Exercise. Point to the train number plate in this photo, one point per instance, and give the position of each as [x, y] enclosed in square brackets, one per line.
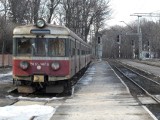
[38, 78]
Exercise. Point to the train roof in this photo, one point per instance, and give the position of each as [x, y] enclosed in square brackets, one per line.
[54, 30]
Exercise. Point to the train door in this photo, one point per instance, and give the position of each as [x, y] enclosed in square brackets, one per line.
[79, 53]
[85, 55]
[73, 57]
[82, 56]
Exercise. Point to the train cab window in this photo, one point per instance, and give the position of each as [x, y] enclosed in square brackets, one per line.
[39, 47]
[24, 46]
[56, 47]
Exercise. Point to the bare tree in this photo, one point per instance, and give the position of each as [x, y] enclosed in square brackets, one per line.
[102, 13]
[81, 14]
[151, 36]
[4, 9]
[6, 27]
[52, 6]
[18, 10]
[25, 11]
[111, 43]
[150, 39]
[35, 5]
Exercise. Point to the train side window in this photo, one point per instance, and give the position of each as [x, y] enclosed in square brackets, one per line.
[67, 47]
[73, 51]
[83, 52]
[78, 52]
[78, 48]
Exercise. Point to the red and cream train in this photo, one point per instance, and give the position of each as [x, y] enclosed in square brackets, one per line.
[47, 56]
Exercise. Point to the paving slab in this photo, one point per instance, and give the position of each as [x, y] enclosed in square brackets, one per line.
[100, 95]
[147, 100]
[4, 102]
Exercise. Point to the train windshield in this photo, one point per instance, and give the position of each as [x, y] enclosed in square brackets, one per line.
[24, 46]
[39, 47]
[56, 47]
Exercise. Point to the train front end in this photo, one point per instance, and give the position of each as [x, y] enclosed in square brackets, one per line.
[39, 59]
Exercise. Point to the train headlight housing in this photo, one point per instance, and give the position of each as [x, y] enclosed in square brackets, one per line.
[55, 66]
[40, 23]
[24, 65]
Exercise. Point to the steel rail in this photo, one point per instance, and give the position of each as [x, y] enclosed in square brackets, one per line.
[140, 74]
[143, 89]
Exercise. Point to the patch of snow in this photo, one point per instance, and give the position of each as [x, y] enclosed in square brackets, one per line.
[6, 78]
[7, 74]
[34, 99]
[39, 112]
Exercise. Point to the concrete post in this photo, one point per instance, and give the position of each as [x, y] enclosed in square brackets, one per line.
[139, 38]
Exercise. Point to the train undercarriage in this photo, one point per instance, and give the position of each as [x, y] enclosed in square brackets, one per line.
[61, 86]
[64, 86]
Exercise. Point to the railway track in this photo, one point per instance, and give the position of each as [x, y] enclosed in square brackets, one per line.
[149, 86]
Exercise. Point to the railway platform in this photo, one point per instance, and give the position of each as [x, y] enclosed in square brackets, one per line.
[101, 95]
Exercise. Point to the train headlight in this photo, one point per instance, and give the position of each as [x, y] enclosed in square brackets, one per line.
[55, 65]
[24, 65]
[40, 23]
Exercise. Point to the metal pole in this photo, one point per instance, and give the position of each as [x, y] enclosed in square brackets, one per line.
[139, 38]
[119, 51]
[149, 52]
[3, 54]
[149, 49]
[134, 52]
[119, 46]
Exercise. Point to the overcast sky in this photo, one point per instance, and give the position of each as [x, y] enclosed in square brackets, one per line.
[122, 9]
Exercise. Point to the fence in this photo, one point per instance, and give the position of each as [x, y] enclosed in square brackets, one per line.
[5, 60]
